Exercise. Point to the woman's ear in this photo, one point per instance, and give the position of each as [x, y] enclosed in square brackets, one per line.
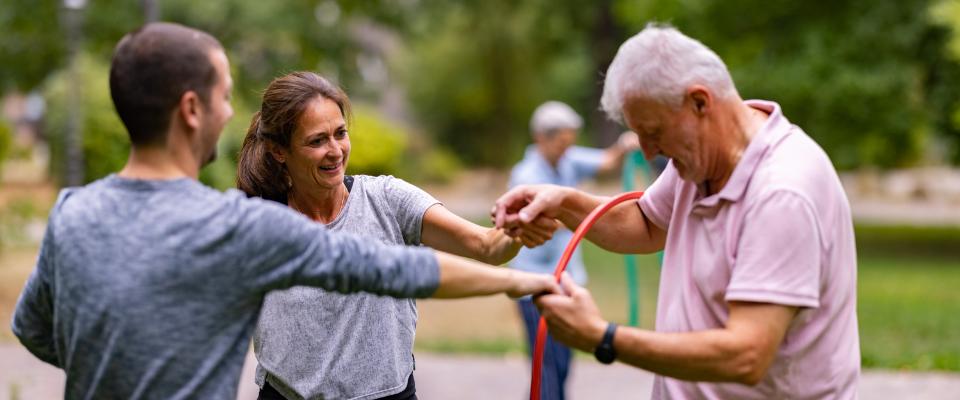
[276, 152]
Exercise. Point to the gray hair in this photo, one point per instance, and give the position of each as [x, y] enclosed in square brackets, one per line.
[552, 116]
[660, 63]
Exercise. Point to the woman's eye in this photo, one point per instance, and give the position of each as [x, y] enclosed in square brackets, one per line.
[341, 134]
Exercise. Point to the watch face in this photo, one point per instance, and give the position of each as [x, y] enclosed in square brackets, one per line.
[604, 354]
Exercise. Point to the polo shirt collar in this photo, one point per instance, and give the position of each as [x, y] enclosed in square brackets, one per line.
[773, 130]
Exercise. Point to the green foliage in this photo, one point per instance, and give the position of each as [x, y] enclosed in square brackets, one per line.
[105, 141]
[947, 13]
[33, 39]
[34, 43]
[434, 165]
[813, 60]
[6, 141]
[476, 95]
[874, 83]
[376, 145]
[879, 104]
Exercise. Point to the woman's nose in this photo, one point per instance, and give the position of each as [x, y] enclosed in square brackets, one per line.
[334, 150]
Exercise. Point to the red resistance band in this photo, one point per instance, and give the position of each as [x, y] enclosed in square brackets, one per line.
[561, 266]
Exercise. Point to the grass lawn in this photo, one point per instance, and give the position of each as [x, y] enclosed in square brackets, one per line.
[909, 312]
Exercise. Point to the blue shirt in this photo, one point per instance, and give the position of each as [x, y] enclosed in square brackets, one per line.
[576, 165]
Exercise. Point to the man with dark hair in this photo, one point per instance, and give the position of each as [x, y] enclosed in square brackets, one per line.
[149, 284]
[152, 67]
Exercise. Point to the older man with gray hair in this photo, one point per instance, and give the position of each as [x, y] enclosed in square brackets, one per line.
[758, 288]
[554, 159]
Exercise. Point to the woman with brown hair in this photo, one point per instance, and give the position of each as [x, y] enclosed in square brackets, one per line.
[312, 343]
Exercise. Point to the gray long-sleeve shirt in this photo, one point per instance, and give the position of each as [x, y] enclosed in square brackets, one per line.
[152, 289]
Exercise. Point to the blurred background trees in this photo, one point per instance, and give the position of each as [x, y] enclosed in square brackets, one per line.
[443, 84]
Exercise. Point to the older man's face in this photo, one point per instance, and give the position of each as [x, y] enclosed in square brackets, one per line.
[668, 131]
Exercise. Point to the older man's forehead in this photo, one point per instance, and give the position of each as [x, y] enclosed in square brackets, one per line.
[642, 113]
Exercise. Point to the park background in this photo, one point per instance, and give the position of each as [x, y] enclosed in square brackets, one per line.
[442, 94]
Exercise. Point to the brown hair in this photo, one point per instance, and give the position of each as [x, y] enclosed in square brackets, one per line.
[152, 68]
[258, 172]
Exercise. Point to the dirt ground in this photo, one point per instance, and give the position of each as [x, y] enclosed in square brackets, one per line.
[471, 377]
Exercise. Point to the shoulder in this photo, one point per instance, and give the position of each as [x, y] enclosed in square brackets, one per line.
[377, 186]
[797, 165]
[387, 188]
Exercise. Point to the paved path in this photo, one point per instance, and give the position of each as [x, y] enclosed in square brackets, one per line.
[471, 377]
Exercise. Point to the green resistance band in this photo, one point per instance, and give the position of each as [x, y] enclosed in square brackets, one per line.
[631, 163]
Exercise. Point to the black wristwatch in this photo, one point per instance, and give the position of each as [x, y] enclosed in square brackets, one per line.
[605, 352]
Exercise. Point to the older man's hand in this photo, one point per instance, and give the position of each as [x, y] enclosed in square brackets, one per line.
[574, 318]
[535, 233]
[524, 204]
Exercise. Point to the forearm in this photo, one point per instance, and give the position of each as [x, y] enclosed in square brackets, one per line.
[716, 355]
[622, 229]
[497, 247]
[445, 231]
[461, 277]
[33, 323]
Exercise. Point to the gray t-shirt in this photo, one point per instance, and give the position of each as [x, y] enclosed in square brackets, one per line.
[152, 289]
[317, 344]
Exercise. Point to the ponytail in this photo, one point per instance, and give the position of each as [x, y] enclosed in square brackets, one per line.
[259, 174]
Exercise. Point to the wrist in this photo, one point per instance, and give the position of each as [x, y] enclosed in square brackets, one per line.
[605, 352]
[597, 329]
[568, 211]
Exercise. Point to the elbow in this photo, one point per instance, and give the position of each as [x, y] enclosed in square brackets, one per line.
[750, 367]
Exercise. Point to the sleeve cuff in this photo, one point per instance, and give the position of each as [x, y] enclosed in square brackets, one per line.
[429, 277]
[772, 297]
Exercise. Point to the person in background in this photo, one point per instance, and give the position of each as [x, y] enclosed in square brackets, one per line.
[554, 159]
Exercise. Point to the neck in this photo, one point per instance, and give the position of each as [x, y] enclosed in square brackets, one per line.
[543, 153]
[736, 134]
[159, 163]
[322, 205]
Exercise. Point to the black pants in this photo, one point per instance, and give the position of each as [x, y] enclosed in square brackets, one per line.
[267, 392]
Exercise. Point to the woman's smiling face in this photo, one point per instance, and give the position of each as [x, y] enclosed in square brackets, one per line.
[320, 147]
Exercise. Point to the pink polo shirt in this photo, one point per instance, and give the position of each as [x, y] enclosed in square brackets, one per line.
[779, 232]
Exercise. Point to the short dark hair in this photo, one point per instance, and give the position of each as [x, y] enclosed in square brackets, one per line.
[152, 68]
[284, 101]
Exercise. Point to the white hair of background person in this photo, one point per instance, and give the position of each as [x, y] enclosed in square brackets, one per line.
[552, 116]
[660, 63]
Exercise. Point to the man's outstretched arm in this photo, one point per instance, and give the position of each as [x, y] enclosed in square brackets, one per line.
[33, 318]
[623, 229]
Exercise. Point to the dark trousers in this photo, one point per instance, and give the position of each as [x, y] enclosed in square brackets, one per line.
[268, 392]
[556, 357]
